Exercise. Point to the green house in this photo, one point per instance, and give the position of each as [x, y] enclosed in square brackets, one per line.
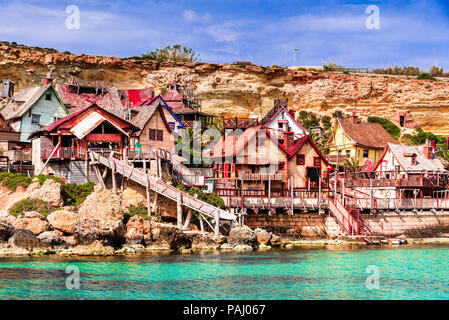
[34, 108]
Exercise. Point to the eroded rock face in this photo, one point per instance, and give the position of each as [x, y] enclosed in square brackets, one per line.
[102, 204]
[23, 238]
[32, 221]
[63, 220]
[88, 230]
[50, 192]
[136, 229]
[52, 238]
[243, 236]
[6, 231]
[169, 237]
[263, 236]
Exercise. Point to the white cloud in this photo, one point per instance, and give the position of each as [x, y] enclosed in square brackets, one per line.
[189, 15]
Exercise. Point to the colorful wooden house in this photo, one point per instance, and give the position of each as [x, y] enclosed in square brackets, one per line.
[359, 140]
[255, 170]
[170, 116]
[185, 105]
[33, 108]
[62, 147]
[402, 177]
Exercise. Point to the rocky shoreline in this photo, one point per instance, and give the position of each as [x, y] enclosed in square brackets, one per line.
[98, 227]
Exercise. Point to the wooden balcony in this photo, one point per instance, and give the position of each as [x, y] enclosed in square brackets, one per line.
[262, 176]
[240, 123]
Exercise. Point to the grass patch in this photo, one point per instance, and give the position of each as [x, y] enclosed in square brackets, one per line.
[392, 129]
[75, 194]
[139, 210]
[26, 205]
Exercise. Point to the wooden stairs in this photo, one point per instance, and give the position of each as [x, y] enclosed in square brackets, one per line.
[157, 185]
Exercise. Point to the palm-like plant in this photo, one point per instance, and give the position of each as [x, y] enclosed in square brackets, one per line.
[172, 53]
[353, 164]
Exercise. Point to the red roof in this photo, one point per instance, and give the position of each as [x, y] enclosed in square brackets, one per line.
[137, 96]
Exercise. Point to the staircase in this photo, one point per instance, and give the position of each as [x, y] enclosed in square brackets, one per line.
[157, 185]
[346, 220]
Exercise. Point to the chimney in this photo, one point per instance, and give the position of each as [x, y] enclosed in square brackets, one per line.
[288, 139]
[49, 78]
[7, 89]
[292, 113]
[354, 119]
[427, 149]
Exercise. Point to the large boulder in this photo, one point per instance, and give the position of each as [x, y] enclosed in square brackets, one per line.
[167, 236]
[52, 238]
[50, 192]
[88, 230]
[7, 218]
[136, 229]
[102, 204]
[63, 220]
[6, 231]
[263, 236]
[32, 221]
[26, 239]
[243, 235]
[96, 248]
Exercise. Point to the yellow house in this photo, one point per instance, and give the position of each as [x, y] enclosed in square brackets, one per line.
[360, 140]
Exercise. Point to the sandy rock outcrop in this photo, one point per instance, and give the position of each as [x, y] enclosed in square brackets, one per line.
[137, 229]
[33, 221]
[102, 204]
[52, 238]
[166, 236]
[50, 192]
[243, 236]
[263, 236]
[63, 220]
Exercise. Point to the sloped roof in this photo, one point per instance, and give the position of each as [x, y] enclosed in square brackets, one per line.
[23, 101]
[298, 145]
[402, 155]
[371, 135]
[53, 126]
[110, 100]
[136, 96]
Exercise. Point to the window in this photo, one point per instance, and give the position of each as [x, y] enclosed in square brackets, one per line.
[282, 165]
[56, 119]
[152, 134]
[316, 161]
[159, 135]
[348, 153]
[365, 153]
[35, 119]
[127, 116]
[414, 160]
[48, 97]
[171, 125]
[300, 160]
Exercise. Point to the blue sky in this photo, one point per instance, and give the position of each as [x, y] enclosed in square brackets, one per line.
[223, 31]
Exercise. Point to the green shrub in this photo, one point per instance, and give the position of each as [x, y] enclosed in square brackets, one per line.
[215, 200]
[139, 210]
[426, 76]
[392, 129]
[75, 194]
[13, 180]
[301, 69]
[26, 205]
[420, 137]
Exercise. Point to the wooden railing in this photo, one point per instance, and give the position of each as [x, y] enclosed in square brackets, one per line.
[240, 123]
[262, 176]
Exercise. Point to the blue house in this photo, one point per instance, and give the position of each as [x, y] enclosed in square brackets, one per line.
[33, 108]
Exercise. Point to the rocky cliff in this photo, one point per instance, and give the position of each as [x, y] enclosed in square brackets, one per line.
[229, 90]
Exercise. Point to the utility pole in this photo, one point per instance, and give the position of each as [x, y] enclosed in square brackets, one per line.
[294, 55]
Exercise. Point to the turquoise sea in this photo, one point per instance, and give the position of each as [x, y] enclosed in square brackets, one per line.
[404, 273]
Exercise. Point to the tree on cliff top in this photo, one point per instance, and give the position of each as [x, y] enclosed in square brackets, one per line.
[172, 53]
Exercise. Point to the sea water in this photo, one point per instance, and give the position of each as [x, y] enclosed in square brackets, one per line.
[382, 273]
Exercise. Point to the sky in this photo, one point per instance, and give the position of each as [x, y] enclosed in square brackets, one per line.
[264, 32]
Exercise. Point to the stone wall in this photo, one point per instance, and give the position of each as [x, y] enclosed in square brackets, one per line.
[313, 225]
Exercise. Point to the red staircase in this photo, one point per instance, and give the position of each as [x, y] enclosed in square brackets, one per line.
[348, 223]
